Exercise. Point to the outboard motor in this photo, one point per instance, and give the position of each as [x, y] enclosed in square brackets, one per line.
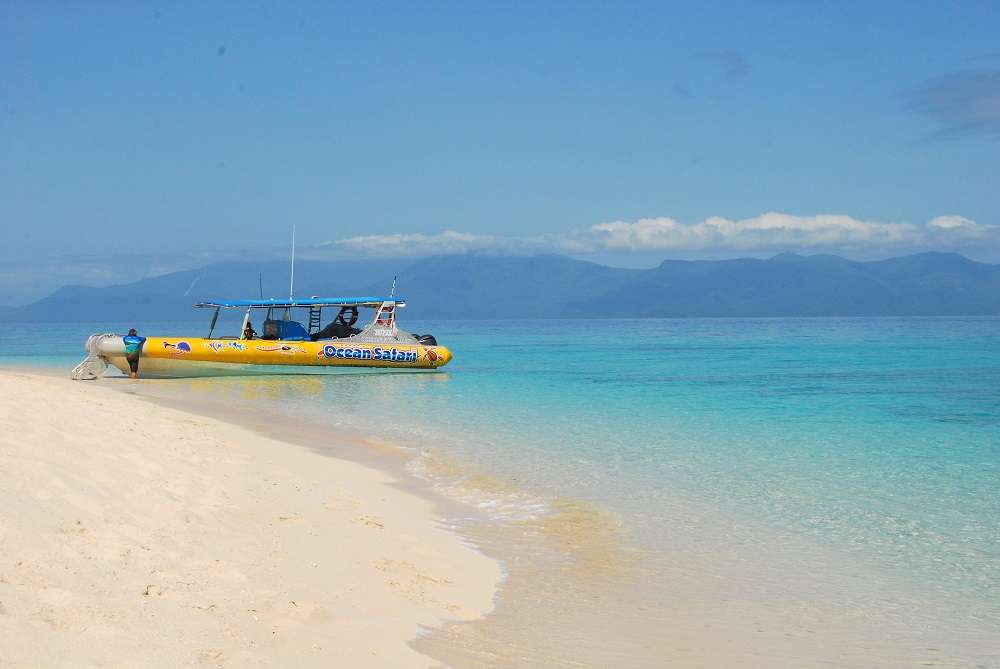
[426, 340]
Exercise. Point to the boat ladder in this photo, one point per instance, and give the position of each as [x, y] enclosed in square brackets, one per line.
[315, 317]
[94, 364]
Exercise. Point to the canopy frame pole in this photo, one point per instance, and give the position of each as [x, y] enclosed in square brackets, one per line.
[291, 279]
[246, 321]
[215, 318]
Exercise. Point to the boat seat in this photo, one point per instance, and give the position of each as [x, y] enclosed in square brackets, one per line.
[334, 330]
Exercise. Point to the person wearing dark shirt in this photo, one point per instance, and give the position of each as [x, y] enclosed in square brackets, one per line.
[133, 349]
[248, 331]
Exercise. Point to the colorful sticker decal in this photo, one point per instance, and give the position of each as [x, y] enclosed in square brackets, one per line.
[219, 346]
[377, 353]
[289, 350]
[180, 348]
[432, 355]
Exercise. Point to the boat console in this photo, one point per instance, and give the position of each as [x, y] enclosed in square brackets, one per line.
[284, 330]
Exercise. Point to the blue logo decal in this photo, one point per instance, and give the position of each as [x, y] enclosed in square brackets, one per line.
[378, 353]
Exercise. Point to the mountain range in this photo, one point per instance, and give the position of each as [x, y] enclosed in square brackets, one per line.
[482, 287]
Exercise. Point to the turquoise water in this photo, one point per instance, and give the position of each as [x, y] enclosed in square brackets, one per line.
[875, 440]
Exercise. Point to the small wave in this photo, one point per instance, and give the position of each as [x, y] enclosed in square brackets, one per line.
[498, 499]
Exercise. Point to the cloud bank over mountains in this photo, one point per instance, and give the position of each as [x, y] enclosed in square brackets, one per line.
[638, 243]
[771, 231]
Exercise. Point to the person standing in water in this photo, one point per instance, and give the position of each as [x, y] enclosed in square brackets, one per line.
[133, 348]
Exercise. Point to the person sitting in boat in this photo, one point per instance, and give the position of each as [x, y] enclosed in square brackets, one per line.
[133, 349]
[248, 331]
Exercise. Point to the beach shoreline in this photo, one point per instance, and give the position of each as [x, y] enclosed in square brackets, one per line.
[571, 589]
[139, 534]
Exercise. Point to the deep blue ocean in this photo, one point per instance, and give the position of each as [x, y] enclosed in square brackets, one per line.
[876, 441]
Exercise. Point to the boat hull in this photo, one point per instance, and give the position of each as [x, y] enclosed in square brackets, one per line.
[163, 357]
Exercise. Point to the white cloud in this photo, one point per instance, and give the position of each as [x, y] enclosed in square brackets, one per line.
[772, 231]
[952, 222]
[416, 244]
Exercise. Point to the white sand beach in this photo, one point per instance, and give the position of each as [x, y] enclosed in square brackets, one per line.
[138, 535]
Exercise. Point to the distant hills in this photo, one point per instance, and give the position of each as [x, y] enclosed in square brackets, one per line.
[482, 287]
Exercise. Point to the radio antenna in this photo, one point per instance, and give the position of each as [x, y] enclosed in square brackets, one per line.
[291, 280]
[260, 284]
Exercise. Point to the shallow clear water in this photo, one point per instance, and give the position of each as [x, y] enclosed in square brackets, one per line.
[876, 441]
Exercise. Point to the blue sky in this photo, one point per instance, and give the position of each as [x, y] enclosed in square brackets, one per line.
[175, 129]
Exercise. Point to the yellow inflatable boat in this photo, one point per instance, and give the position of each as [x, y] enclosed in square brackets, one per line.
[293, 340]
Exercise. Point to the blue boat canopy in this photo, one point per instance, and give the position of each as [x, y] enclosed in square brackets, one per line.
[372, 302]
